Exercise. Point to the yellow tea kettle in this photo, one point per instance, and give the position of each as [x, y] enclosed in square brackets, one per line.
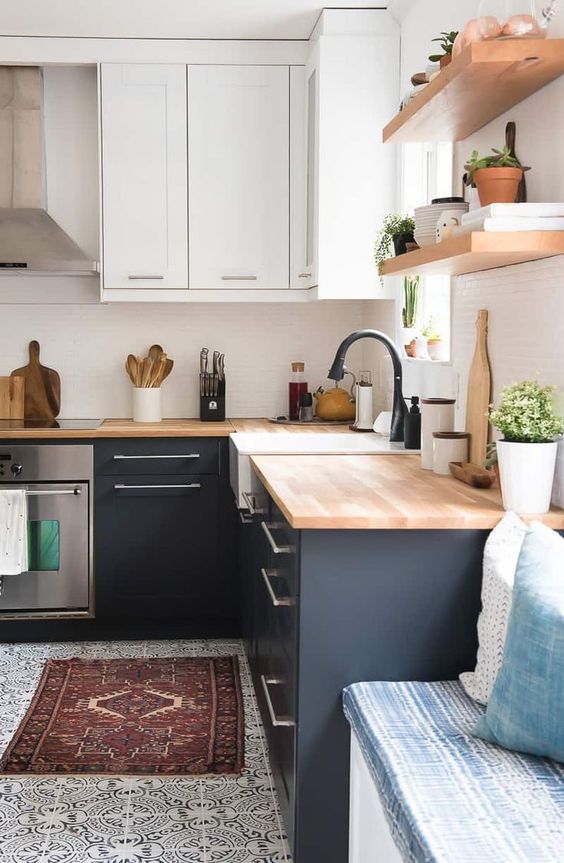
[335, 404]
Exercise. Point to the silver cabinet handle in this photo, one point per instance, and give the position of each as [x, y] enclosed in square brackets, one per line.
[142, 278]
[239, 278]
[276, 721]
[245, 519]
[277, 549]
[278, 601]
[119, 486]
[250, 501]
[304, 276]
[124, 457]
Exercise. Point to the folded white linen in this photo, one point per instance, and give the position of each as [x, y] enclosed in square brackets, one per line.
[13, 531]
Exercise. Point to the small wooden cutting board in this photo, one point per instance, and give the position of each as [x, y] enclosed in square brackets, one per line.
[12, 398]
[42, 398]
[479, 393]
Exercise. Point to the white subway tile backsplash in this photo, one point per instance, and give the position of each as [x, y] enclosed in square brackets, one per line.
[88, 344]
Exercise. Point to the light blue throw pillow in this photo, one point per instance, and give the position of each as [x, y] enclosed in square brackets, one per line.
[526, 709]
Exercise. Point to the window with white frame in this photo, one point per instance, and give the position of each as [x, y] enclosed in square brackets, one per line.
[426, 173]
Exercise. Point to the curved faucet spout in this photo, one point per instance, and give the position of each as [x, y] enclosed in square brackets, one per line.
[337, 373]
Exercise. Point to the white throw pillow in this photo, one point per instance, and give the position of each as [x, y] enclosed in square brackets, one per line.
[501, 554]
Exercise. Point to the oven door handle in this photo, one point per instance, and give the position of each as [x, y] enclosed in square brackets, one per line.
[48, 492]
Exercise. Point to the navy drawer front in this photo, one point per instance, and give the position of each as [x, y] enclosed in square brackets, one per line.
[157, 456]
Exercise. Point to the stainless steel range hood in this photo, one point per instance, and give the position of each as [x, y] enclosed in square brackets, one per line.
[30, 240]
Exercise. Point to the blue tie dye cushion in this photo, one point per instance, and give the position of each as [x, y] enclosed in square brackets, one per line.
[526, 710]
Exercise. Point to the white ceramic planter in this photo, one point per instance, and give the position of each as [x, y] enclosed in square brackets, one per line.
[147, 405]
[527, 474]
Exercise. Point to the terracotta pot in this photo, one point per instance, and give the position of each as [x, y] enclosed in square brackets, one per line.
[498, 185]
[410, 349]
[445, 60]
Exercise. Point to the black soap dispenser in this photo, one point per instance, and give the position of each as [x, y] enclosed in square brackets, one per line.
[412, 425]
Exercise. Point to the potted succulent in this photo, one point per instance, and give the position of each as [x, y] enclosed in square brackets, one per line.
[409, 313]
[434, 340]
[393, 237]
[527, 453]
[496, 177]
[447, 40]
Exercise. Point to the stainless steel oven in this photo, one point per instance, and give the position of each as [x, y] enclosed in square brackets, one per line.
[58, 481]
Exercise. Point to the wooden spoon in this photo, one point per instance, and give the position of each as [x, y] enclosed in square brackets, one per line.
[155, 352]
[157, 371]
[168, 368]
[131, 368]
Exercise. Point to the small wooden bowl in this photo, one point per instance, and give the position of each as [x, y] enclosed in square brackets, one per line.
[472, 474]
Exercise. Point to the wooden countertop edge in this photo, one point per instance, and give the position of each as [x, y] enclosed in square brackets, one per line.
[478, 520]
[112, 428]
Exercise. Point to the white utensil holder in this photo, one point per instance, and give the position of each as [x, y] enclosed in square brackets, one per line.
[147, 407]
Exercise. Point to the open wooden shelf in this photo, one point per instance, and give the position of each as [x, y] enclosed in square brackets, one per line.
[484, 81]
[480, 250]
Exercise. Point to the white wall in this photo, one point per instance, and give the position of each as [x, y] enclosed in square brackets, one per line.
[88, 344]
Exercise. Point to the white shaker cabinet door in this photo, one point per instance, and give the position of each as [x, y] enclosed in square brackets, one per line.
[144, 176]
[238, 143]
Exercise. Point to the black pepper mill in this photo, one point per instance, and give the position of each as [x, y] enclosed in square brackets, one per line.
[412, 425]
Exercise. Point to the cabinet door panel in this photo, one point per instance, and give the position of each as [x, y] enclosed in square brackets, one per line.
[158, 539]
[238, 142]
[144, 176]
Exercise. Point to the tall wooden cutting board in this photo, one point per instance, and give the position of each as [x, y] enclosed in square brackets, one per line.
[42, 387]
[479, 393]
[11, 398]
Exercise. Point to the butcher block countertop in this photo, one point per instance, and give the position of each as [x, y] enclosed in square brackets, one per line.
[371, 492]
[123, 428]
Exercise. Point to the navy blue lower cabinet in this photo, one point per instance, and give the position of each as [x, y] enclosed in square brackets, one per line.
[342, 606]
[165, 540]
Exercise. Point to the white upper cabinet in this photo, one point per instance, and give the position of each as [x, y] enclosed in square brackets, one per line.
[144, 177]
[351, 87]
[239, 176]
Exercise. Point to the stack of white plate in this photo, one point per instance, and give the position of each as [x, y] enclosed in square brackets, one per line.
[426, 219]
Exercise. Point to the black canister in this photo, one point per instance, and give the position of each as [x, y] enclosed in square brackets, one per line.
[412, 426]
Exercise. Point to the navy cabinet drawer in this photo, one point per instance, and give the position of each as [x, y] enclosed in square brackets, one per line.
[157, 456]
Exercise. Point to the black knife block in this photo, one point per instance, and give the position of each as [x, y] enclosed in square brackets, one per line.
[212, 409]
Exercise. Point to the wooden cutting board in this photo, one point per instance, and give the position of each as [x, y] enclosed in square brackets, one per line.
[42, 387]
[479, 393]
[12, 398]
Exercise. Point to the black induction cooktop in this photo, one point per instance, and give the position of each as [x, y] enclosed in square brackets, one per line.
[70, 424]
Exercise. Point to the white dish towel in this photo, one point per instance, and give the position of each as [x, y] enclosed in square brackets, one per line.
[13, 531]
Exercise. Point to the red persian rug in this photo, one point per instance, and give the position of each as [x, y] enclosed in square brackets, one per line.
[180, 716]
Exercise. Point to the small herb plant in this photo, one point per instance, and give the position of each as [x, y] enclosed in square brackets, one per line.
[393, 226]
[499, 159]
[431, 331]
[410, 301]
[447, 43]
[526, 414]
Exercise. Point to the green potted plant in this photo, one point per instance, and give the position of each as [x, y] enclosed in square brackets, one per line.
[409, 312]
[496, 177]
[446, 40]
[434, 340]
[394, 235]
[527, 453]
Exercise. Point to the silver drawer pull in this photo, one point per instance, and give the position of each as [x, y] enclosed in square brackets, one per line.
[250, 501]
[245, 519]
[142, 278]
[304, 276]
[278, 601]
[124, 457]
[276, 721]
[239, 278]
[277, 549]
[120, 486]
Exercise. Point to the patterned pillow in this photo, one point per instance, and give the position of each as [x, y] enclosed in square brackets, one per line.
[500, 561]
[525, 708]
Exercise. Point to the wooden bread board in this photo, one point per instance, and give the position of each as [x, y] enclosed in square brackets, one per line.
[479, 394]
[12, 398]
[42, 387]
